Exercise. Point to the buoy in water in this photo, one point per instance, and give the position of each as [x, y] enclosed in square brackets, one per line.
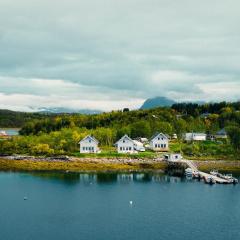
[131, 202]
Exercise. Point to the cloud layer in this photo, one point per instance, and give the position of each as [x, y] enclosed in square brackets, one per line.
[114, 54]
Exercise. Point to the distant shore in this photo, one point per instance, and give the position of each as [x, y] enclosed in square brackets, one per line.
[74, 164]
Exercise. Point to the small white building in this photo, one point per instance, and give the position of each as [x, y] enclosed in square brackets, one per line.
[125, 145]
[195, 137]
[159, 142]
[138, 146]
[173, 157]
[222, 134]
[89, 144]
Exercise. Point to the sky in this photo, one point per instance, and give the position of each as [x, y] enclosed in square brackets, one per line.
[111, 54]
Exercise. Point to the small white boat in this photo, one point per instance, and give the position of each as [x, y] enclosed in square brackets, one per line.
[209, 180]
[188, 172]
[214, 172]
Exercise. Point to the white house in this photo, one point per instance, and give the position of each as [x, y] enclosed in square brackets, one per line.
[89, 144]
[195, 136]
[173, 157]
[159, 142]
[125, 145]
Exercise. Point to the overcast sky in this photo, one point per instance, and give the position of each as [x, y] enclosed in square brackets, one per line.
[110, 54]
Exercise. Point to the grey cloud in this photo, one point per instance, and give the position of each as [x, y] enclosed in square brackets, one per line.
[116, 47]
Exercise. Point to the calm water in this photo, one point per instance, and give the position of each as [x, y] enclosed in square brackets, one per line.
[10, 131]
[82, 206]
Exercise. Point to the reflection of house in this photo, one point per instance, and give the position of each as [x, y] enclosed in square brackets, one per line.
[174, 157]
[89, 144]
[125, 145]
[195, 137]
[159, 142]
[222, 134]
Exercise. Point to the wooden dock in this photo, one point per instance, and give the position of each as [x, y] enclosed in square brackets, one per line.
[204, 175]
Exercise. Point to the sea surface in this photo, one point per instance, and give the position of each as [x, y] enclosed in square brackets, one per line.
[10, 131]
[60, 206]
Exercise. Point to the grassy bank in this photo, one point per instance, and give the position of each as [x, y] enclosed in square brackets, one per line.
[75, 166]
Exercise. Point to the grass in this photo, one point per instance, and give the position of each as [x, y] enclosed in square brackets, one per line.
[111, 153]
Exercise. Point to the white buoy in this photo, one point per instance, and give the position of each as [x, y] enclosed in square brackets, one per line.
[131, 202]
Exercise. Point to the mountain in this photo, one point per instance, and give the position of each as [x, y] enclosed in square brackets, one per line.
[157, 102]
[68, 110]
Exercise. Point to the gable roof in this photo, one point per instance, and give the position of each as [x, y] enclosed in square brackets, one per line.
[158, 134]
[222, 132]
[125, 136]
[91, 137]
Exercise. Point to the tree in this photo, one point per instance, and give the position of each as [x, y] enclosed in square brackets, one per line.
[234, 134]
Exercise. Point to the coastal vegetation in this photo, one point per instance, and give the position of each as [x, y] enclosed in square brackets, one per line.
[59, 134]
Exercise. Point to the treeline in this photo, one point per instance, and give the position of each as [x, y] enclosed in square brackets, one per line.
[134, 123]
[12, 119]
[195, 109]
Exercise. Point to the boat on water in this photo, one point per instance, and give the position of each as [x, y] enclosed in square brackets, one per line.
[209, 180]
[230, 178]
[227, 177]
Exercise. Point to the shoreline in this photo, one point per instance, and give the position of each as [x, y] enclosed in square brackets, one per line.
[74, 164]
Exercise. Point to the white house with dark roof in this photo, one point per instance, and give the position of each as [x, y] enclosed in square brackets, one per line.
[89, 144]
[159, 142]
[125, 145]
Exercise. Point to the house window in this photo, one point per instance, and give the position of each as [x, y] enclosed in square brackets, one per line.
[83, 148]
[156, 145]
[158, 138]
[123, 148]
[130, 148]
[126, 148]
[164, 145]
[161, 145]
[123, 141]
[120, 148]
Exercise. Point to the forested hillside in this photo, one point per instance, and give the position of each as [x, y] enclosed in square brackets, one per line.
[11, 119]
[59, 134]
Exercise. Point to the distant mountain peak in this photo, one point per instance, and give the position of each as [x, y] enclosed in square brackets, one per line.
[157, 102]
[67, 110]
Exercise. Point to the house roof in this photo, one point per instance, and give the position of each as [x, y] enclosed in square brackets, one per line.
[158, 134]
[125, 136]
[91, 137]
[222, 132]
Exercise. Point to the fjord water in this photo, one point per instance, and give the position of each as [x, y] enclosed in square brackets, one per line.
[97, 206]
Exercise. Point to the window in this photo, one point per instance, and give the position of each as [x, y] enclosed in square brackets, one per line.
[164, 145]
[158, 138]
[83, 148]
[156, 145]
[123, 141]
[161, 145]
[123, 148]
[130, 148]
[120, 148]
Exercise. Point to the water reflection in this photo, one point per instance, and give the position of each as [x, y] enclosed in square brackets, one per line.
[108, 177]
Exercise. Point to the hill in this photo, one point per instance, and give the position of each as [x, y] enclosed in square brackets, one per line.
[157, 102]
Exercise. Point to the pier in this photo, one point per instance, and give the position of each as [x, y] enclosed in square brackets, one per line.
[203, 175]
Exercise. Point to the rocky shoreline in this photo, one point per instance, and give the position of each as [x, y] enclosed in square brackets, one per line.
[78, 164]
